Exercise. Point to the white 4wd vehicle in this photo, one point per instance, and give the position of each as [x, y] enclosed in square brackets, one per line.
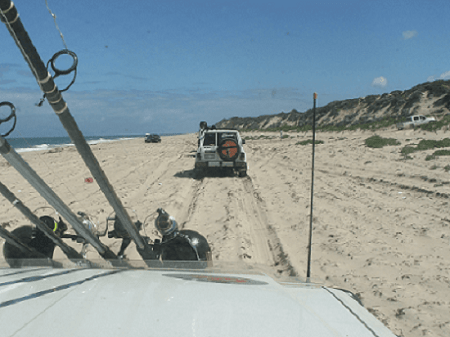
[413, 121]
[220, 149]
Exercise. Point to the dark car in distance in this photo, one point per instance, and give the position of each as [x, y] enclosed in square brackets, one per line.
[152, 138]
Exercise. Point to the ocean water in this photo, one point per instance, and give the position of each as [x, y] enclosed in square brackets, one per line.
[45, 143]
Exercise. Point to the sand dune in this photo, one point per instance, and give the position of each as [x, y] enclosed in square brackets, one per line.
[381, 223]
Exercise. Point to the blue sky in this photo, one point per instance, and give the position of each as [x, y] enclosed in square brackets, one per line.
[163, 66]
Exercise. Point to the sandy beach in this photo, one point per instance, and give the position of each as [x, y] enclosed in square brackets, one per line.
[381, 222]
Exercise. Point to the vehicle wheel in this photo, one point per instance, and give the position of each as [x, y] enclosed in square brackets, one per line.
[228, 149]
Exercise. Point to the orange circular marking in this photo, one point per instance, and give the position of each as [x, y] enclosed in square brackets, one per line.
[229, 149]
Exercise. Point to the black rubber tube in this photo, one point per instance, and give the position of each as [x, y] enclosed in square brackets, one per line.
[69, 251]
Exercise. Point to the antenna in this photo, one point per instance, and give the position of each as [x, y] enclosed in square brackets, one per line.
[308, 270]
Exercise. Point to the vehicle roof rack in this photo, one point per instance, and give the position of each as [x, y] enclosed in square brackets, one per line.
[213, 129]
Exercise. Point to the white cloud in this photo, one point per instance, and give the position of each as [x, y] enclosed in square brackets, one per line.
[445, 76]
[430, 78]
[409, 34]
[380, 82]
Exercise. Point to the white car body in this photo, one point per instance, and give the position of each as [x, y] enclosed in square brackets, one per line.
[210, 154]
[76, 301]
[413, 121]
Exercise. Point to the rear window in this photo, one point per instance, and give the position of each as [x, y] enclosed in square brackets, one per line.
[210, 139]
[228, 135]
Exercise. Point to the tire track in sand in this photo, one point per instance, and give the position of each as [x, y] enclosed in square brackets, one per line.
[264, 234]
[237, 219]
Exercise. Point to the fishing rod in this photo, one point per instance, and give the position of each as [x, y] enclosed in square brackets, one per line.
[308, 269]
[10, 17]
[32, 177]
[47, 193]
[69, 251]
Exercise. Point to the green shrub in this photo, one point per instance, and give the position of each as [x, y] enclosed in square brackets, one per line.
[376, 125]
[407, 150]
[429, 145]
[379, 142]
[438, 153]
[442, 153]
[425, 144]
[309, 141]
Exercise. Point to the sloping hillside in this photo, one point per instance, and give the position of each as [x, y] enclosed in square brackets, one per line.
[431, 98]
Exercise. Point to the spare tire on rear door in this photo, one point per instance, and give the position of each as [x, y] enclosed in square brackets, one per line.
[228, 149]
